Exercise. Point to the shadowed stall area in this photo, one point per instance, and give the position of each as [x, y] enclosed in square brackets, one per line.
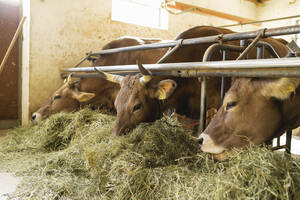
[74, 156]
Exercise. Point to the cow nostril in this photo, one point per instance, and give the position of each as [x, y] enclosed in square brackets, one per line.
[33, 117]
[200, 141]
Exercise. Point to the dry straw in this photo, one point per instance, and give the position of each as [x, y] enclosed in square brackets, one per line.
[74, 156]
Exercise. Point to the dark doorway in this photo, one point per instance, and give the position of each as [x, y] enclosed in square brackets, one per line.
[9, 20]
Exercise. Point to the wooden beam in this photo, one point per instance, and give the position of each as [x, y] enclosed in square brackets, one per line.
[196, 9]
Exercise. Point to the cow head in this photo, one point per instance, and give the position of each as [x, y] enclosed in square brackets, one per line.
[66, 98]
[139, 100]
[251, 113]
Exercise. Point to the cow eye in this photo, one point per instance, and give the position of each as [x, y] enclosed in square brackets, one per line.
[137, 107]
[230, 105]
[57, 97]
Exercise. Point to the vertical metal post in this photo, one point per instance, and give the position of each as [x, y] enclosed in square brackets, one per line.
[203, 100]
[242, 43]
[259, 53]
[222, 81]
[288, 141]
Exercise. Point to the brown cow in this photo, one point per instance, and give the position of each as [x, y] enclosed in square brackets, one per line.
[97, 92]
[254, 111]
[146, 100]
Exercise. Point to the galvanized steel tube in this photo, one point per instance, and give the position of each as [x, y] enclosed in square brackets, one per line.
[232, 65]
[209, 39]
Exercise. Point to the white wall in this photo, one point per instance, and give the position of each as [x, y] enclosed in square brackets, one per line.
[239, 8]
[277, 9]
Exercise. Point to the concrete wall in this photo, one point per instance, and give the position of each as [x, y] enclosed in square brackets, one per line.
[239, 8]
[62, 31]
[277, 9]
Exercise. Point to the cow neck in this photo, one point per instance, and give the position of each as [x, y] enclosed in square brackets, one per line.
[289, 116]
[290, 111]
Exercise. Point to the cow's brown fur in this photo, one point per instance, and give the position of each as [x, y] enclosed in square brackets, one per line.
[105, 91]
[186, 97]
[257, 116]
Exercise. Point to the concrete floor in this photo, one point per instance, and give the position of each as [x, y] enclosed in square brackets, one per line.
[8, 184]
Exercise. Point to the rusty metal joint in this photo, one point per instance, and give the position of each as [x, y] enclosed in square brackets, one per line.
[220, 38]
[261, 33]
[179, 43]
[171, 51]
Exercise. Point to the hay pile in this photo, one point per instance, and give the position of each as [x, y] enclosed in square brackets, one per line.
[74, 156]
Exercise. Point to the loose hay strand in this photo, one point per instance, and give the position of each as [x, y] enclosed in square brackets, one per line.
[74, 156]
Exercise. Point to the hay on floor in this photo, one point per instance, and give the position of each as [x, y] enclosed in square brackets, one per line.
[74, 156]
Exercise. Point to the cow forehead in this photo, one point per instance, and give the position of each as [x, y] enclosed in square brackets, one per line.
[130, 89]
[240, 88]
[131, 86]
[131, 82]
[63, 90]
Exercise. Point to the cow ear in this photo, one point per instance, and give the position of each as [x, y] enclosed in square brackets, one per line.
[279, 88]
[164, 89]
[83, 96]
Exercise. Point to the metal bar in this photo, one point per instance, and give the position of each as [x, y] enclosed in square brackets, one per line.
[288, 142]
[182, 73]
[259, 52]
[260, 65]
[270, 74]
[222, 81]
[278, 141]
[209, 39]
[203, 100]
[278, 147]
[203, 97]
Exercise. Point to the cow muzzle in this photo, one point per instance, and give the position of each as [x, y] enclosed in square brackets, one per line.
[36, 117]
[206, 144]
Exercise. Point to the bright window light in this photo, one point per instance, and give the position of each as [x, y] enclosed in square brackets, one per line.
[15, 2]
[140, 12]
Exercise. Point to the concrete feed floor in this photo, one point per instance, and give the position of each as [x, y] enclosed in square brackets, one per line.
[8, 182]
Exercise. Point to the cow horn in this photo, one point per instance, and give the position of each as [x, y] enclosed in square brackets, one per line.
[69, 80]
[110, 77]
[147, 75]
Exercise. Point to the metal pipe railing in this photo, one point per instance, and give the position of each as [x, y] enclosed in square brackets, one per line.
[285, 66]
[209, 39]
